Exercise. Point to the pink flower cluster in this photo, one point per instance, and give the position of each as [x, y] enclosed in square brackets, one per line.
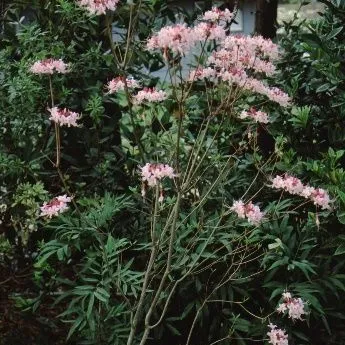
[202, 73]
[178, 38]
[252, 46]
[118, 84]
[256, 115]
[277, 336]
[278, 96]
[99, 7]
[49, 66]
[153, 173]
[290, 184]
[149, 95]
[55, 206]
[295, 306]
[272, 93]
[64, 117]
[217, 15]
[246, 53]
[293, 185]
[204, 31]
[318, 196]
[249, 211]
[234, 75]
[241, 57]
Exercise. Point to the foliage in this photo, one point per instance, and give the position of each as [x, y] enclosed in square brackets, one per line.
[123, 264]
[313, 71]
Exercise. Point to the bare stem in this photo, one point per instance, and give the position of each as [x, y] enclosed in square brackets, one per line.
[166, 272]
[154, 249]
[57, 129]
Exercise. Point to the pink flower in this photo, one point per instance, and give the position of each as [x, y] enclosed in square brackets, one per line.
[205, 31]
[266, 47]
[216, 15]
[318, 196]
[294, 306]
[234, 75]
[238, 58]
[253, 214]
[55, 206]
[261, 66]
[274, 94]
[256, 85]
[256, 115]
[202, 73]
[278, 96]
[254, 45]
[277, 336]
[222, 59]
[64, 117]
[118, 84]
[149, 95]
[178, 38]
[239, 208]
[291, 184]
[49, 66]
[249, 211]
[99, 7]
[153, 173]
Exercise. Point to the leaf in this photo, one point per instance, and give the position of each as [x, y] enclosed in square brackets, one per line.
[341, 216]
[100, 297]
[76, 324]
[323, 88]
[300, 335]
[304, 267]
[173, 329]
[277, 243]
[340, 250]
[102, 294]
[281, 262]
[90, 306]
[341, 196]
[187, 310]
[276, 292]
[334, 32]
[325, 322]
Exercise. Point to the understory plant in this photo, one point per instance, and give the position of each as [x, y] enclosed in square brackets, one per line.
[187, 227]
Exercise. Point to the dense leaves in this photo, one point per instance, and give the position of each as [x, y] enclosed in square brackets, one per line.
[214, 277]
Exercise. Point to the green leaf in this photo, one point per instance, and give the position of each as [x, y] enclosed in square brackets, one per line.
[304, 267]
[173, 329]
[300, 335]
[334, 32]
[76, 324]
[90, 306]
[102, 295]
[276, 292]
[341, 216]
[341, 196]
[340, 250]
[281, 262]
[323, 88]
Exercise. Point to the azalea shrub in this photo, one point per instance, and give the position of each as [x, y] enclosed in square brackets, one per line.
[168, 210]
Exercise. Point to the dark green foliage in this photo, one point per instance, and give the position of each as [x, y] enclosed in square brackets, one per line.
[313, 70]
